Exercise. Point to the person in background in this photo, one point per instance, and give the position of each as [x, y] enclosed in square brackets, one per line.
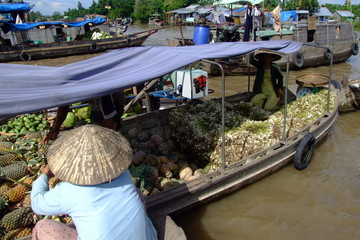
[258, 17]
[105, 111]
[96, 189]
[268, 84]
[248, 23]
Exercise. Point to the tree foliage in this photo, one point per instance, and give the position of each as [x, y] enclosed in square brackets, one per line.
[311, 5]
[141, 10]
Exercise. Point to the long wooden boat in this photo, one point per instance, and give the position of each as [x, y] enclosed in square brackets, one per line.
[61, 49]
[221, 181]
[338, 36]
[224, 181]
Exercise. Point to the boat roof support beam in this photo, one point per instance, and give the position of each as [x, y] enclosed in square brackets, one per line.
[330, 69]
[222, 110]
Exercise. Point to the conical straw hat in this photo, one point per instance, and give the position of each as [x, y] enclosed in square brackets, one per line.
[260, 53]
[89, 155]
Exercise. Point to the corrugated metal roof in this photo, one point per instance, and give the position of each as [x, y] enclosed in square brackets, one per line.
[345, 13]
[302, 11]
[323, 12]
[183, 11]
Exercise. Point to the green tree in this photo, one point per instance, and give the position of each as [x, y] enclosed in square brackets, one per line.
[92, 8]
[311, 5]
[36, 17]
[56, 16]
[174, 4]
[141, 12]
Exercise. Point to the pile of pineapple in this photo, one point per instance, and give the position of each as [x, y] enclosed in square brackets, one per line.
[21, 156]
[248, 129]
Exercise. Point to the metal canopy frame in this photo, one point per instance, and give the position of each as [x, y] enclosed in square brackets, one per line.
[285, 93]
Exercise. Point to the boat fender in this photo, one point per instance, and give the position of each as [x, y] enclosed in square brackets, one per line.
[298, 59]
[25, 56]
[327, 53]
[304, 151]
[94, 47]
[336, 84]
[128, 42]
[354, 49]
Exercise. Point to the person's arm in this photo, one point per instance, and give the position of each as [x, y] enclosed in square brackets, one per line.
[280, 82]
[109, 112]
[44, 201]
[60, 118]
[253, 61]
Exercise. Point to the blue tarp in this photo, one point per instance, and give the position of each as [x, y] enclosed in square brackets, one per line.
[26, 26]
[14, 7]
[240, 9]
[285, 16]
[27, 88]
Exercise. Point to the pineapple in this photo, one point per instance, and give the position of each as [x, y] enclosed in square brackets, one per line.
[21, 217]
[66, 219]
[17, 233]
[8, 158]
[44, 147]
[27, 201]
[3, 203]
[27, 181]
[16, 194]
[54, 181]
[14, 171]
[6, 147]
[5, 187]
[36, 135]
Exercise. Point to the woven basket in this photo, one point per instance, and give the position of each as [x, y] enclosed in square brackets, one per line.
[312, 80]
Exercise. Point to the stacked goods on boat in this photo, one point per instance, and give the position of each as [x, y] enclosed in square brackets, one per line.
[248, 129]
[159, 161]
[26, 123]
[21, 157]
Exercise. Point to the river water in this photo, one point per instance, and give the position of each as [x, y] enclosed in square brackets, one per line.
[320, 202]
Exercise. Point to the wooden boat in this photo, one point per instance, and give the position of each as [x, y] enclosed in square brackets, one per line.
[227, 179]
[233, 177]
[60, 49]
[338, 36]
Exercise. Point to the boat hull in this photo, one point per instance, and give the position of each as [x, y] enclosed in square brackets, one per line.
[62, 49]
[325, 35]
[222, 182]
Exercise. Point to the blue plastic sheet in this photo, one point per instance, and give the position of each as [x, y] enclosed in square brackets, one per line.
[14, 7]
[285, 16]
[28, 88]
[26, 26]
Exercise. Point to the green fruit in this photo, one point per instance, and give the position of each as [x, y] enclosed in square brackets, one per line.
[70, 120]
[84, 112]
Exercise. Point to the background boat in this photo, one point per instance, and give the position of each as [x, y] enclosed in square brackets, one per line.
[67, 48]
[337, 36]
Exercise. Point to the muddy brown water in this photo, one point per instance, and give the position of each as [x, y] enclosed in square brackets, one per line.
[321, 202]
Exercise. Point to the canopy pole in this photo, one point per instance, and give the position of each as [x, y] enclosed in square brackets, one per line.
[222, 110]
[140, 95]
[330, 70]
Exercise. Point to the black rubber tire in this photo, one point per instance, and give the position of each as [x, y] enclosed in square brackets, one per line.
[327, 53]
[298, 59]
[354, 49]
[25, 56]
[336, 84]
[94, 47]
[304, 151]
